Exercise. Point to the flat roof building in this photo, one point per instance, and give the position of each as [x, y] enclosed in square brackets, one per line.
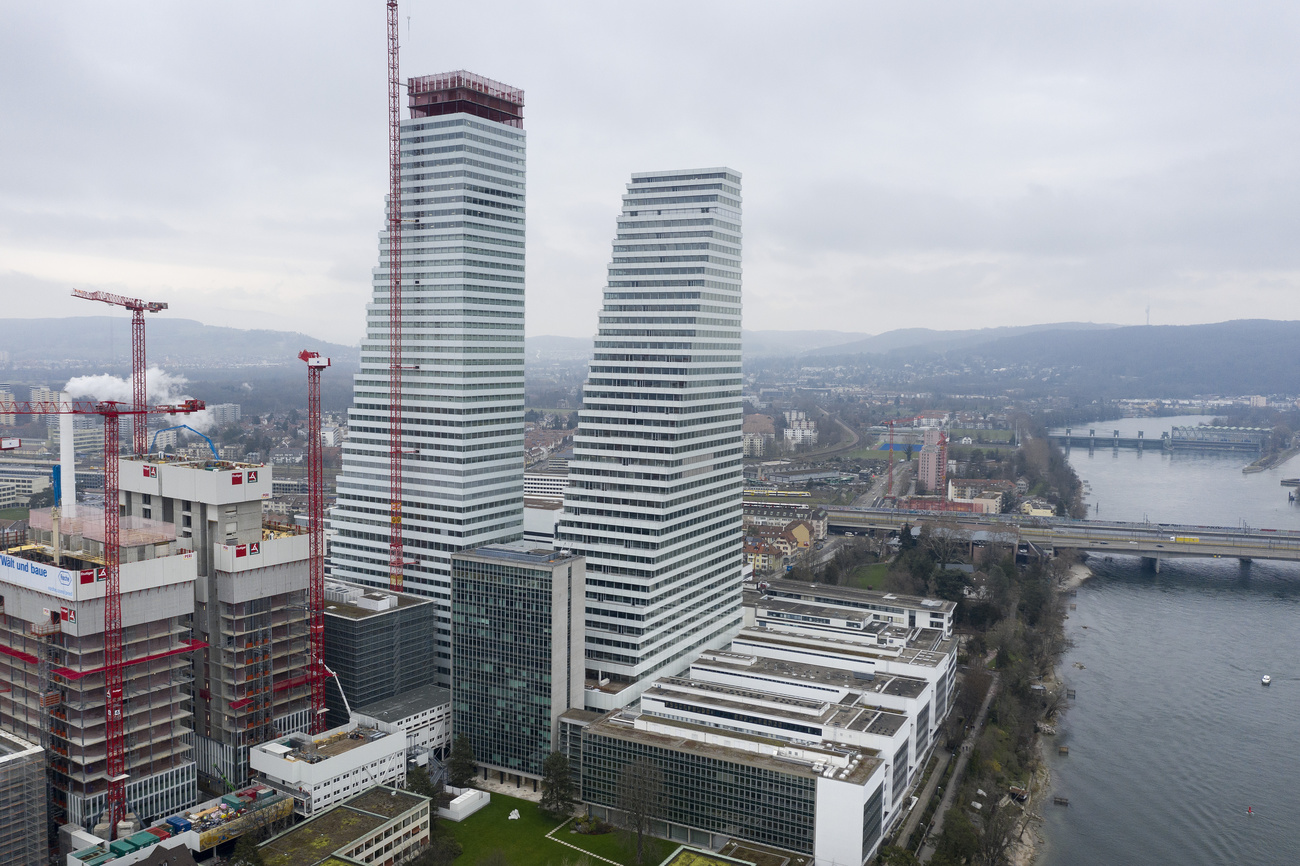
[422, 715]
[319, 771]
[378, 643]
[381, 825]
[823, 800]
[517, 626]
[910, 611]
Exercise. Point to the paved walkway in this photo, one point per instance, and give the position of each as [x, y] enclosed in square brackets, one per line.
[492, 785]
[914, 818]
[936, 826]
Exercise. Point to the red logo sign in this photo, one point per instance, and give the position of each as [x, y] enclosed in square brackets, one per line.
[241, 550]
[252, 476]
[150, 471]
[68, 614]
[255, 548]
[90, 575]
[237, 478]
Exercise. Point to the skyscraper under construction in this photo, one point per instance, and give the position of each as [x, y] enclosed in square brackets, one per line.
[462, 368]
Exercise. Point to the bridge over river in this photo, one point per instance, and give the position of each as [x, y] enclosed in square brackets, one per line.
[1153, 541]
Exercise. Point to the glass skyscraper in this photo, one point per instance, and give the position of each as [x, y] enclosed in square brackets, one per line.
[462, 206]
[517, 626]
[654, 495]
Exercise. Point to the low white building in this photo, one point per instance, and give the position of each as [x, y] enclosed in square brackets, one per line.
[328, 768]
[422, 715]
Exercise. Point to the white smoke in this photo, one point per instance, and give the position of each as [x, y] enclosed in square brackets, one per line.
[160, 387]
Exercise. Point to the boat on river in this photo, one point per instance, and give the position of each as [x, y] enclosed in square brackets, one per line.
[1266, 679]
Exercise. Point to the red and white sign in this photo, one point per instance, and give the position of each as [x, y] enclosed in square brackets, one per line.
[252, 476]
[241, 550]
[150, 471]
[68, 614]
[92, 575]
[255, 548]
[236, 478]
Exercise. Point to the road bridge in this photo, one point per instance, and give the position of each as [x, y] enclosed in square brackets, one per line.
[1153, 541]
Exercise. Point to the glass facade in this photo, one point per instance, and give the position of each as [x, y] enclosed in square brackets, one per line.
[505, 615]
[378, 655]
[707, 792]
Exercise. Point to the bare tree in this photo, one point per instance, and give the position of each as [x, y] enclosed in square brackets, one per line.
[1000, 829]
[946, 540]
[640, 798]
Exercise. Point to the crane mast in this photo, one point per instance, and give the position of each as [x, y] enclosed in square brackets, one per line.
[316, 533]
[395, 551]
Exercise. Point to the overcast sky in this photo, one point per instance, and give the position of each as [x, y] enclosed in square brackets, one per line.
[945, 165]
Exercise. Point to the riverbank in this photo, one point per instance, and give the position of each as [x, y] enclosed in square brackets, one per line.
[1024, 850]
[1075, 577]
[1268, 461]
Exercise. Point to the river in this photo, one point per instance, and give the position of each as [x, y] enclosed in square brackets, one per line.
[1171, 736]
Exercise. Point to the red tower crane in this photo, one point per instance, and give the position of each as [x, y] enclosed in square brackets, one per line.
[115, 766]
[395, 551]
[140, 437]
[316, 532]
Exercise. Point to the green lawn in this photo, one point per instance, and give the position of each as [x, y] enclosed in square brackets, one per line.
[870, 576]
[490, 829]
[13, 513]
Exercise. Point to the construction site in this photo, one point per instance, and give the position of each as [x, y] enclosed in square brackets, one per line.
[147, 647]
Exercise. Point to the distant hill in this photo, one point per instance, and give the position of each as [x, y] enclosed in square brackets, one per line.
[757, 344]
[179, 342]
[942, 341]
[546, 348]
[1244, 356]
[771, 344]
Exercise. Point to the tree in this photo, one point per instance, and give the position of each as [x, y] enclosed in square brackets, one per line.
[959, 841]
[557, 786]
[441, 851]
[418, 781]
[892, 855]
[640, 798]
[946, 540]
[246, 853]
[461, 765]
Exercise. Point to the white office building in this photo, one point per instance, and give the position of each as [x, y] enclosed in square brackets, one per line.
[463, 350]
[654, 495]
[331, 767]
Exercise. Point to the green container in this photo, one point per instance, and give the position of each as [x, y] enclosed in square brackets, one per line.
[143, 839]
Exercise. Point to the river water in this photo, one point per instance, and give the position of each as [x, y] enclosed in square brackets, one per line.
[1171, 735]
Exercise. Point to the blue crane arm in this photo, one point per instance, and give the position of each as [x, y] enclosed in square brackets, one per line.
[154, 441]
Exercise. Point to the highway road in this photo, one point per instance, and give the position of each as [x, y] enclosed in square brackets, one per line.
[1153, 540]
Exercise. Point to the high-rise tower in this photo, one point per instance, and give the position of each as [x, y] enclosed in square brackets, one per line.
[654, 496]
[462, 349]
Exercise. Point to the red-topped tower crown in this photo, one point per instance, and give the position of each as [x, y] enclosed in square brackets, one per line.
[461, 91]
